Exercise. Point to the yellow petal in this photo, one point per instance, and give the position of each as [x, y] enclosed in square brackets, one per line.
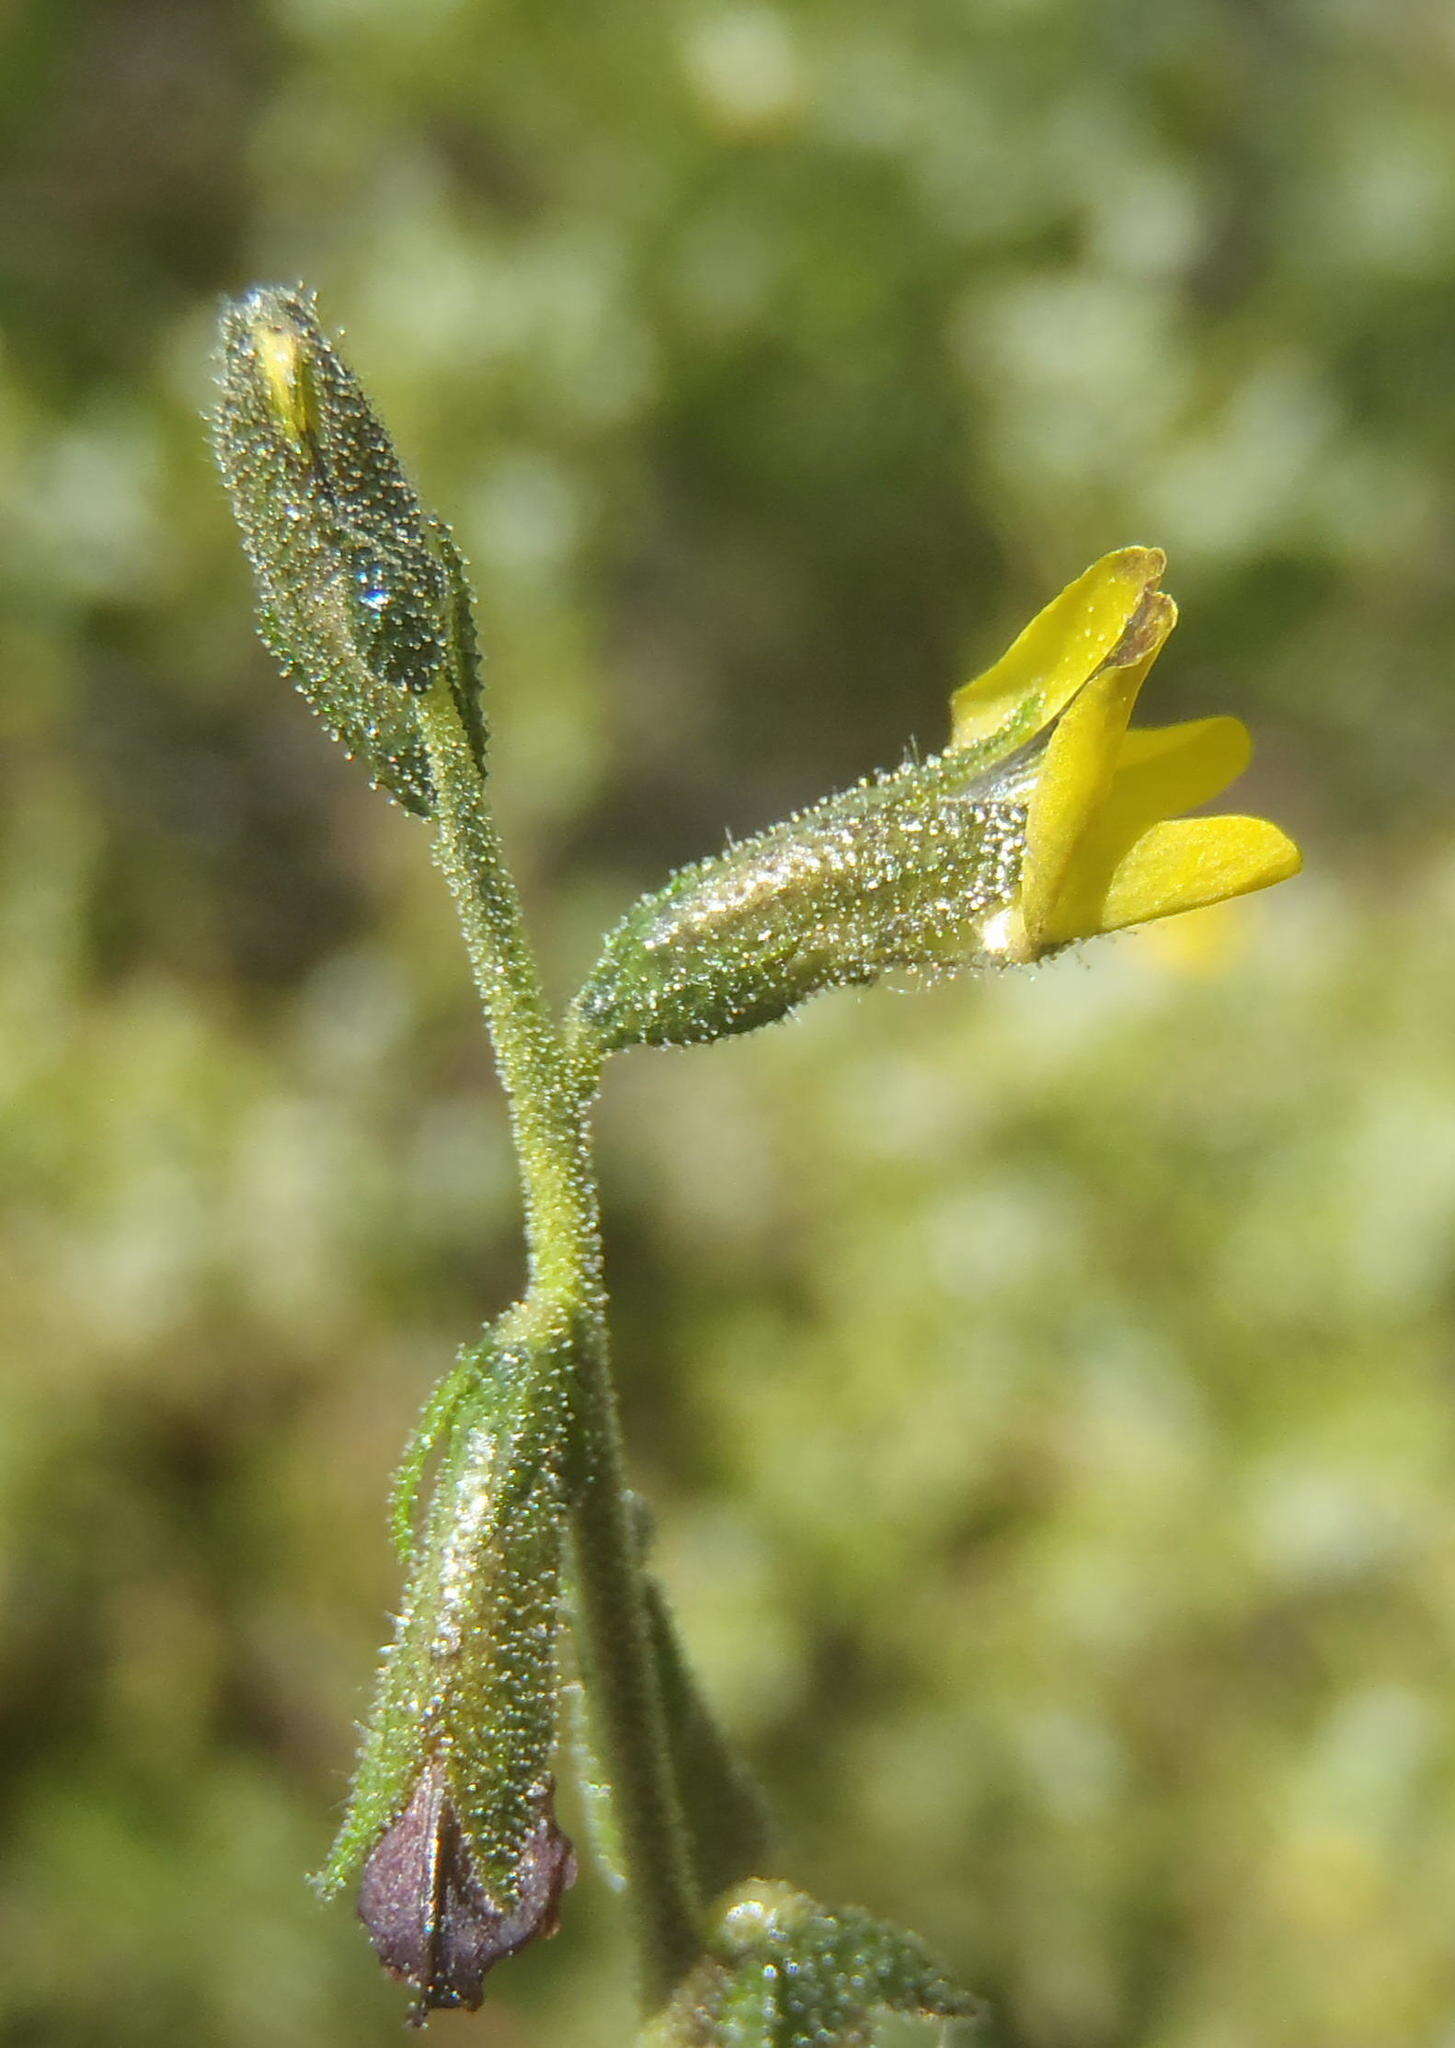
[1161, 771]
[1185, 863]
[1080, 766]
[1168, 769]
[1062, 646]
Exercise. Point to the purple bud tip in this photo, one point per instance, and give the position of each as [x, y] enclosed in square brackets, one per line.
[430, 1919]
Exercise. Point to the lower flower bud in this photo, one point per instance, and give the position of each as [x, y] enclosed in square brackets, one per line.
[450, 1824]
[431, 1920]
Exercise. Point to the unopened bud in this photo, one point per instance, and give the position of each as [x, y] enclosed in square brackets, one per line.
[451, 1816]
[362, 592]
[429, 1916]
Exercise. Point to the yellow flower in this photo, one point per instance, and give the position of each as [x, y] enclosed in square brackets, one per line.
[1105, 846]
[1045, 820]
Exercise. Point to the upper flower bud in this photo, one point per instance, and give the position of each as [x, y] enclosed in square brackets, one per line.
[362, 593]
[1044, 821]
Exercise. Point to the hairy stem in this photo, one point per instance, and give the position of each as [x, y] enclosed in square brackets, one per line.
[547, 1091]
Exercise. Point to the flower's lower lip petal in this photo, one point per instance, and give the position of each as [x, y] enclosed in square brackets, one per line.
[1161, 772]
[1171, 769]
[1187, 863]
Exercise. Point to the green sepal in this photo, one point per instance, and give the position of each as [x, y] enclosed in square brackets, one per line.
[598, 1804]
[464, 640]
[899, 873]
[781, 1971]
[361, 592]
[467, 1380]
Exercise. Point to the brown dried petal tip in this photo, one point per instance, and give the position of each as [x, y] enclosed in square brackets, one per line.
[432, 1923]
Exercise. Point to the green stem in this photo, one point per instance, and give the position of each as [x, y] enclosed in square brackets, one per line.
[548, 1089]
[542, 1091]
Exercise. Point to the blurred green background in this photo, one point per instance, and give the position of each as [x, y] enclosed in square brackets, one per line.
[1045, 1386]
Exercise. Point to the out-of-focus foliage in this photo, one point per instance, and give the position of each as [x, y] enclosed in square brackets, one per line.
[1044, 1387]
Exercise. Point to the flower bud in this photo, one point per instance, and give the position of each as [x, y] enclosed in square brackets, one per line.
[428, 1915]
[901, 872]
[451, 1814]
[361, 591]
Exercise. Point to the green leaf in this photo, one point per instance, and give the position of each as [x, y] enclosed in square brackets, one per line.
[781, 1971]
[726, 1818]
